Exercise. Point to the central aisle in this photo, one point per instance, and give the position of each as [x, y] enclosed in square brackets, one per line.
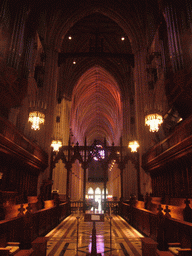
[125, 240]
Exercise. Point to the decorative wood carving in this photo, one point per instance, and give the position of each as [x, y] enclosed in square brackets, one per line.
[13, 143]
[177, 145]
[21, 161]
[169, 163]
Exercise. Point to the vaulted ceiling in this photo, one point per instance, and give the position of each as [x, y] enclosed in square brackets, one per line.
[98, 58]
[95, 40]
[97, 107]
[96, 43]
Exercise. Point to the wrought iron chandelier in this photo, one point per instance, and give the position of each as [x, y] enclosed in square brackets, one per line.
[36, 114]
[56, 144]
[153, 121]
[133, 145]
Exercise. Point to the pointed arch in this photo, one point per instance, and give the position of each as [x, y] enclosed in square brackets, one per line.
[97, 107]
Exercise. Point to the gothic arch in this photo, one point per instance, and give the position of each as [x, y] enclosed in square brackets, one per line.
[133, 29]
[97, 107]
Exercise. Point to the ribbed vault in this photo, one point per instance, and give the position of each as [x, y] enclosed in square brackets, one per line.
[95, 33]
[97, 85]
[96, 107]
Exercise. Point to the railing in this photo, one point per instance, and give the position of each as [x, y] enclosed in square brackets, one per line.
[76, 206]
[176, 142]
[112, 207]
[33, 225]
[14, 141]
[162, 229]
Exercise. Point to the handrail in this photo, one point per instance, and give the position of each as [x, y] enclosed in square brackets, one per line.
[177, 138]
[11, 139]
[160, 228]
[39, 223]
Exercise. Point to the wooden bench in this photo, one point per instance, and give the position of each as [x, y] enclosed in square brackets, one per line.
[179, 237]
[176, 249]
[8, 248]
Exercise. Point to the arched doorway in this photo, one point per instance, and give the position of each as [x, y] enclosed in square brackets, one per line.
[96, 195]
[90, 193]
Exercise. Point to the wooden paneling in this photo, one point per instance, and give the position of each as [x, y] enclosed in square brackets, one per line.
[14, 143]
[20, 161]
[169, 163]
[160, 228]
[40, 223]
[177, 145]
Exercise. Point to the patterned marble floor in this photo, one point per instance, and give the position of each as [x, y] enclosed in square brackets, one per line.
[123, 241]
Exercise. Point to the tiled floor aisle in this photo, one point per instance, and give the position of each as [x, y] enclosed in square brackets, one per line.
[125, 240]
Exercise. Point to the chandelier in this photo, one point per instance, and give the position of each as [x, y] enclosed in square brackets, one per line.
[153, 121]
[56, 144]
[36, 118]
[133, 145]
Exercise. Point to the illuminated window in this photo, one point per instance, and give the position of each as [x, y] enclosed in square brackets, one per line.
[98, 153]
[90, 191]
[98, 191]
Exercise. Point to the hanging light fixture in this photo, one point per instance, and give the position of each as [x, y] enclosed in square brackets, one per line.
[56, 144]
[133, 145]
[36, 114]
[36, 118]
[153, 121]
[153, 116]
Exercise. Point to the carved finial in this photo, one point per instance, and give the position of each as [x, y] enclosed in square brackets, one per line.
[187, 202]
[187, 211]
[21, 211]
[166, 210]
[29, 208]
[160, 210]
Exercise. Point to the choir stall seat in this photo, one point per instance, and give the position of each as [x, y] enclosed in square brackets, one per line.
[183, 248]
[8, 248]
[176, 249]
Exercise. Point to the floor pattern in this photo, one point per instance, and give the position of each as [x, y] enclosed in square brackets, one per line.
[73, 237]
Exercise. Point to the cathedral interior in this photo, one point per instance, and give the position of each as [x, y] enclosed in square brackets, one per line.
[96, 114]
